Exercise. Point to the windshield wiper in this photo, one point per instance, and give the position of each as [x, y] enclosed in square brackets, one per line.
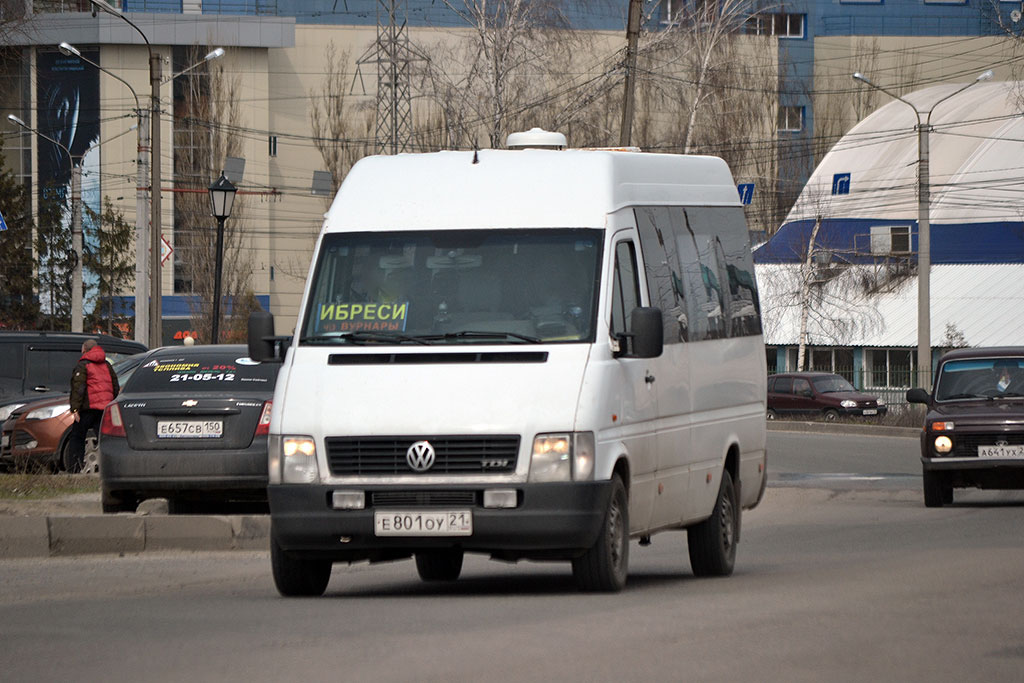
[478, 334]
[362, 337]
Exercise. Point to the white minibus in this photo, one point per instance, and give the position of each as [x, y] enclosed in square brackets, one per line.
[532, 354]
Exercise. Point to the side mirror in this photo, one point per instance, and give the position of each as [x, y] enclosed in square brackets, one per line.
[261, 337]
[918, 395]
[648, 334]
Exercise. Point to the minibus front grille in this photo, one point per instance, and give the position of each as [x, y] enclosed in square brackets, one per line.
[413, 498]
[384, 455]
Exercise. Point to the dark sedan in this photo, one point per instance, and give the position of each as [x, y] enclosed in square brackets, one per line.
[973, 433]
[190, 426]
[820, 394]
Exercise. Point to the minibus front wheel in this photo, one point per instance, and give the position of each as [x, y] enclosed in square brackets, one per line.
[605, 565]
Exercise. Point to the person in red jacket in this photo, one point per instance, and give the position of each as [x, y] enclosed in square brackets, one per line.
[93, 386]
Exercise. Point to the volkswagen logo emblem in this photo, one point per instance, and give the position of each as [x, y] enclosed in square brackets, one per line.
[420, 456]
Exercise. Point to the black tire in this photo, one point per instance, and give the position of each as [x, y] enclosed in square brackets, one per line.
[712, 543]
[65, 455]
[297, 577]
[936, 492]
[439, 565]
[772, 414]
[831, 415]
[605, 565]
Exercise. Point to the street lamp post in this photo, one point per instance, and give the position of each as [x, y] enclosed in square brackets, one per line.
[222, 196]
[76, 223]
[924, 259]
[141, 205]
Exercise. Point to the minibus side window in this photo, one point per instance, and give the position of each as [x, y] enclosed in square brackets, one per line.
[625, 287]
[657, 227]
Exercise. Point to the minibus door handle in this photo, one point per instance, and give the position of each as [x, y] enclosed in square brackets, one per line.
[649, 378]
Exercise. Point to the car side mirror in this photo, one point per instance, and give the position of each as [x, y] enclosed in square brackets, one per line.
[646, 340]
[263, 345]
[918, 395]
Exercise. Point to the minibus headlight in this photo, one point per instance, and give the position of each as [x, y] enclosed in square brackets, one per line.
[562, 457]
[297, 460]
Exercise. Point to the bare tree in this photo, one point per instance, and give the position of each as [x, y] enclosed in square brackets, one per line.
[341, 128]
[490, 82]
[206, 126]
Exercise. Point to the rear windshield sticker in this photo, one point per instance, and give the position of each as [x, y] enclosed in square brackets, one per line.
[389, 317]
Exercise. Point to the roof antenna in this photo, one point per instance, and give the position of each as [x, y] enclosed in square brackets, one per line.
[476, 156]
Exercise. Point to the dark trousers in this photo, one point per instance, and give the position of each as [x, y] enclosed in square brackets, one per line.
[88, 419]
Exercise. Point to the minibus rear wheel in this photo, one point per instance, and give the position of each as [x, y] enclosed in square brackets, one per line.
[439, 565]
[712, 543]
[605, 565]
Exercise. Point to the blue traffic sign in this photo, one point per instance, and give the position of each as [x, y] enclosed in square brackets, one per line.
[841, 183]
[3, 223]
[746, 191]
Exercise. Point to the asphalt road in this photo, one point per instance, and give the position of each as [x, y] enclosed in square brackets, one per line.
[843, 580]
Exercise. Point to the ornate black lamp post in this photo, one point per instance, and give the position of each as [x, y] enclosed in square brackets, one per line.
[222, 196]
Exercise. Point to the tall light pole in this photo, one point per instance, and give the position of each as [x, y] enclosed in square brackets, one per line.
[222, 196]
[155, 234]
[141, 205]
[155, 318]
[76, 223]
[924, 257]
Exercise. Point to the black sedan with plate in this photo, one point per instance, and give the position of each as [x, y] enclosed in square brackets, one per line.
[973, 433]
[190, 426]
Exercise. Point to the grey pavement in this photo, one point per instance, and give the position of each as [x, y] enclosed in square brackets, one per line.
[76, 530]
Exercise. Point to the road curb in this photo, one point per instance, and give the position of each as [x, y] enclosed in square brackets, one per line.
[65, 535]
[841, 428]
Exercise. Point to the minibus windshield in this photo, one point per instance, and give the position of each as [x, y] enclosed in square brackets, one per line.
[515, 286]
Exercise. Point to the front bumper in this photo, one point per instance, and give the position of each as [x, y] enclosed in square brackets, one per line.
[550, 521]
[982, 473]
[859, 412]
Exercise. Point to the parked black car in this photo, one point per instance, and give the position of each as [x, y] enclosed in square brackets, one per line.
[820, 394]
[973, 433]
[37, 365]
[190, 426]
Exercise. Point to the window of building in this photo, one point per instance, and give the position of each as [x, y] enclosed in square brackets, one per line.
[890, 239]
[781, 25]
[791, 119]
[890, 367]
[772, 358]
[272, 145]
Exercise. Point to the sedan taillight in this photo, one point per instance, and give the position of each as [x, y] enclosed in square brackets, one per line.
[263, 426]
[112, 424]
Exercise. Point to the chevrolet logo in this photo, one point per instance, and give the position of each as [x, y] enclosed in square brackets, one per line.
[190, 403]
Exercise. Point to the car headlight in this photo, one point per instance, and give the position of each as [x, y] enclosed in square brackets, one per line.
[881, 402]
[943, 444]
[567, 456]
[48, 412]
[848, 403]
[5, 411]
[292, 459]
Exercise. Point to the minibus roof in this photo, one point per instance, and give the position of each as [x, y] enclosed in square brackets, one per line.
[524, 188]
